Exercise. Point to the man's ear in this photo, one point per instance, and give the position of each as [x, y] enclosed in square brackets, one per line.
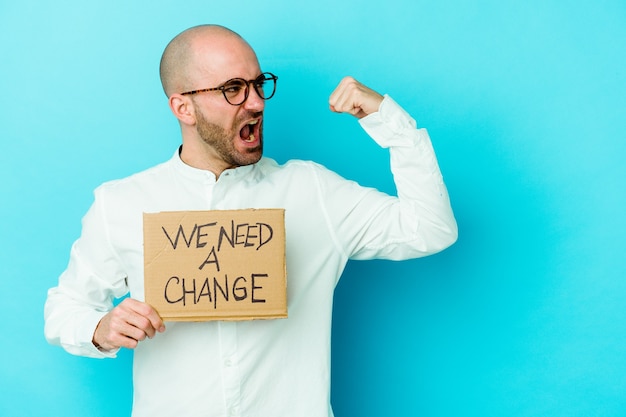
[183, 109]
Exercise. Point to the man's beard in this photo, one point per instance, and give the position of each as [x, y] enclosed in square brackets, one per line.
[223, 142]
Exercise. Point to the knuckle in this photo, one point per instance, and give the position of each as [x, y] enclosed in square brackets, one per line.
[143, 323]
[144, 309]
[115, 327]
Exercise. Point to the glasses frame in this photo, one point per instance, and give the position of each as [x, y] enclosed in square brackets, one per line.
[266, 76]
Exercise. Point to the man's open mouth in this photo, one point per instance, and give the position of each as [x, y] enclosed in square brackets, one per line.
[250, 131]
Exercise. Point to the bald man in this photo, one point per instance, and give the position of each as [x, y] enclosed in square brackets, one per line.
[217, 91]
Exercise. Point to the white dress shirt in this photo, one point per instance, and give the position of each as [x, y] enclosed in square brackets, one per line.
[260, 368]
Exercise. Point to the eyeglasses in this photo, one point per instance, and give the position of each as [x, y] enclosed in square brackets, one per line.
[236, 90]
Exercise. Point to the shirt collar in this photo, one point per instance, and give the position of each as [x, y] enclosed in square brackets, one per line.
[202, 174]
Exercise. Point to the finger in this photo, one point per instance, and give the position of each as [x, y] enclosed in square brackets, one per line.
[123, 320]
[112, 332]
[155, 320]
[338, 97]
[147, 311]
[354, 98]
[135, 326]
[123, 334]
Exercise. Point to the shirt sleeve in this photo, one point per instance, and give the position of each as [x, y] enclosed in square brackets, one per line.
[419, 221]
[86, 289]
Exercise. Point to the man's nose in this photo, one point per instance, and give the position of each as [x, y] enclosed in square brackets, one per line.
[254, 102]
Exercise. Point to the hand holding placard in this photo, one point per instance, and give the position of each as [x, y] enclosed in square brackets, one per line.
[127, 324]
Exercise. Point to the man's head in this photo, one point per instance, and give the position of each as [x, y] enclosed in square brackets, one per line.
[216, 134]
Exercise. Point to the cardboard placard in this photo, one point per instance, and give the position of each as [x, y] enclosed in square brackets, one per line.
[216, 265]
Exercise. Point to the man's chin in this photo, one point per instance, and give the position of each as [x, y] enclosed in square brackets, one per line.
[250, 156]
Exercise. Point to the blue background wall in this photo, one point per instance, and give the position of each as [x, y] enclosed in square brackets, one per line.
[526, 105]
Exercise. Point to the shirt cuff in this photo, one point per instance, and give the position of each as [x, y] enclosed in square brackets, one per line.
[84, 338]
[389, 126]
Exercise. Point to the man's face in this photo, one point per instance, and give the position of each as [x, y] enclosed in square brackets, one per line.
[233, 134]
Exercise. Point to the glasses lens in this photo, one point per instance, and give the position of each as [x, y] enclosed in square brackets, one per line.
[235, 91]
[265, 85]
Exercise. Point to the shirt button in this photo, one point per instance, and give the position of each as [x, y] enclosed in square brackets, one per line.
[228, 363]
